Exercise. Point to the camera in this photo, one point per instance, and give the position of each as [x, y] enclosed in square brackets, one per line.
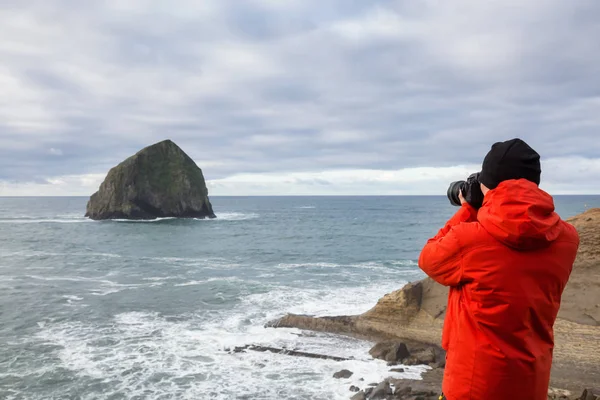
[471, 191]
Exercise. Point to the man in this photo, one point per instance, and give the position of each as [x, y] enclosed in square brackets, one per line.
[507, 265]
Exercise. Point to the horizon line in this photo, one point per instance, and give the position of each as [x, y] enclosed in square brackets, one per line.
[300, 195]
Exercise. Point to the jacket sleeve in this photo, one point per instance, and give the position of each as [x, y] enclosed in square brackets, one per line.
[441, 258]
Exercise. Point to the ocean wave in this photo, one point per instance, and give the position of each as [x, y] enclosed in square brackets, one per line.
[70, 279]
[372, 265]
[309, 265]
[234, 216]
[72, 298]
[42, 221]
[137, 353]
[99, 285]
[159, 278]
[37, 253]
[209, 280]
[211, 262]
[322, 302]
[141, 221]
[224, 216]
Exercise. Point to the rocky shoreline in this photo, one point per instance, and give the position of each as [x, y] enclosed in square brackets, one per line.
[400, 355]
[407, 324]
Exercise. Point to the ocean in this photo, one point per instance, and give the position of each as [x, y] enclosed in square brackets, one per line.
[148, 310]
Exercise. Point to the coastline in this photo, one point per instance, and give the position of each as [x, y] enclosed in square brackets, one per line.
[415, 314]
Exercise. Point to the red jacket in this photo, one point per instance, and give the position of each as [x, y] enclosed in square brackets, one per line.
[507, 265]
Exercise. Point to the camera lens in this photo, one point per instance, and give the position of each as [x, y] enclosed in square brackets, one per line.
[453, 192]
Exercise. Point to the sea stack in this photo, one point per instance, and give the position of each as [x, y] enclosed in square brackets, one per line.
[159, 181]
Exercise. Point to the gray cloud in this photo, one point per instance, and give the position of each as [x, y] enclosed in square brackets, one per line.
[262, 85]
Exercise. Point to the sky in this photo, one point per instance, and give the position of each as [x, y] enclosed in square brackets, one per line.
[298, 97]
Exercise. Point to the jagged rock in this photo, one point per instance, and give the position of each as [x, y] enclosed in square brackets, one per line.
[580, 300]
[390, 351]
[359, 396]
[590, 394]
[288, 352]
[397, 370]
[343, 374]
[415, 312]
[558, 394]
[423, 357]
[381, 391]
[402, 391]
[354, 389]
[159, 181]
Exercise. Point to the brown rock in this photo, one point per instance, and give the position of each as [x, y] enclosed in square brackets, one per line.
[381, 391]
[590, 394]
[402, 391]
[390, 351]
[415, 312]
[343, 374]
[577, 303]
[158, 181]
[422, 357]
[558, 394]
[359, 396]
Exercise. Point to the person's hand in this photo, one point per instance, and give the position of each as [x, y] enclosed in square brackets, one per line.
[461, 198]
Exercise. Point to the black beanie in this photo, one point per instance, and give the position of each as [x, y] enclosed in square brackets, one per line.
[513, 159]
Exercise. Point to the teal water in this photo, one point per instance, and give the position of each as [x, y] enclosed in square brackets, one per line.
[147, 310]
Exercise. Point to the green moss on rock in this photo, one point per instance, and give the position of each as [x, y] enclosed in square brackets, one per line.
[159, 181]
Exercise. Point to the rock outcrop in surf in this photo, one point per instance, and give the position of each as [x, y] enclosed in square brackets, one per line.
[159, 181]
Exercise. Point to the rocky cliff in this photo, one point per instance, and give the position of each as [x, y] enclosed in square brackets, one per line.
[159, 181]
[416, 312]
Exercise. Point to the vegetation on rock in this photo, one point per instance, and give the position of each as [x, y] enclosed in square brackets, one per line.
[159, 181]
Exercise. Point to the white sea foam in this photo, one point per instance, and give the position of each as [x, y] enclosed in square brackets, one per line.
[109, 287]
[216, 263]
[70, 279]
[191, 358]
[234, 216]
[35, 253]
[73, 219]
[139, 220]
[100, 285]
[203, 281]
[148, 355]
[321, 302]
[43, 221]
[307, 207]
[159, 278]
[308, 265]
[72, 298]
[370, 265]
[221, 216]
[405, 263]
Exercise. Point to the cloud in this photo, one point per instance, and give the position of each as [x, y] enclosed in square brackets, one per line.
[298, 87]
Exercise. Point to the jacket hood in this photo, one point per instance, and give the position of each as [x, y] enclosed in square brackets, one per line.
[520, 215]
